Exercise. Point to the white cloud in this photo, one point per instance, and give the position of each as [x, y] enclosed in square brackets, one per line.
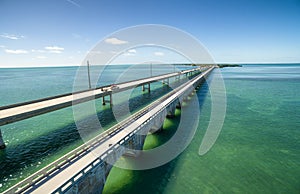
[41, 57]
[2, 46]
[54, 49]
[159, 53]
[130, 52]
[11, 36]
[18, 51]
[38, 51]
[115, 41]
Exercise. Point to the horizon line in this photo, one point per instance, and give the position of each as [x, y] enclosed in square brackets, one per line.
[217, 63]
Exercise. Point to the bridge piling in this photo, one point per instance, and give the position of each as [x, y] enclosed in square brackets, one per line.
[171, 110]
[144, 88]
[2, 144]
[178, 105]
[171, 113]
[158, 122]
[92, 172]
[110, 100]
[103, 100]
[166, 81]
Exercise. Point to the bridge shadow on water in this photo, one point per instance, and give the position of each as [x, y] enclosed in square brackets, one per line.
[18, 162]
[153, 180]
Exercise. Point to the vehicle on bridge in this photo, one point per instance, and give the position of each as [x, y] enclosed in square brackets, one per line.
[104, 89]
[114, 87]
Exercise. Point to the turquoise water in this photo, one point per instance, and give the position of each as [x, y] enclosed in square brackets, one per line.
[36, 142]
[258, 150]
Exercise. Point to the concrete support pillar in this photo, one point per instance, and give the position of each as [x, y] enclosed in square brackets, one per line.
[171, 113]
[178, 105]
[2, 144]
[171, 110]
[166, 81]
[157, 123]
[134, 145]
[103, 100]
[110, 100]
[75, 189]
[144, 88]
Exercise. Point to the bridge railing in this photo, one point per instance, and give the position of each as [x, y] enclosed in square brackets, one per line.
[76, 154]
[72, 93]
[101, 159]
[36, 178]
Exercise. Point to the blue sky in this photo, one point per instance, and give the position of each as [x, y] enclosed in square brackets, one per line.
[61, 32]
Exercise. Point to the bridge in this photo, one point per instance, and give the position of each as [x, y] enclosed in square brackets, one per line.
[81, 170]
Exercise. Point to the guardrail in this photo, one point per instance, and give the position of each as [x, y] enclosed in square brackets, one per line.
[77, 92]
[63, 162]
[100, 160]
[17, 116]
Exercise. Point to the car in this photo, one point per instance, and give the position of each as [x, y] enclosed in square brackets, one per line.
[114, 87]
[104, 89]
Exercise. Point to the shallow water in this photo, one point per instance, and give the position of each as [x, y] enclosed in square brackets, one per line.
[36, 142]
[258, 150]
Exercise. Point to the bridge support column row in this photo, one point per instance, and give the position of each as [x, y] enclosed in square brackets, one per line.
[144, 88]
[110, 100]
[94, 181]
[2, 144]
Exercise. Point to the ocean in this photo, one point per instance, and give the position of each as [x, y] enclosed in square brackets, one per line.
[257, 151]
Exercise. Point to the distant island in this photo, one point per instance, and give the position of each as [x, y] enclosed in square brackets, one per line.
[219, 65]
[229, 65]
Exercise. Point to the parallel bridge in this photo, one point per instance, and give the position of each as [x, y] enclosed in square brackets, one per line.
[85, 169]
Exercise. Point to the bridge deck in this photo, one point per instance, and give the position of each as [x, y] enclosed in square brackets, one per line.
[17, 112]
[64, 175]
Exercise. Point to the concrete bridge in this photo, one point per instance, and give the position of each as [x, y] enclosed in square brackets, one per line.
[21, 111]
[83, 171]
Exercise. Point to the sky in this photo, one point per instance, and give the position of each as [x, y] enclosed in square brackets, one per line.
[62, 32]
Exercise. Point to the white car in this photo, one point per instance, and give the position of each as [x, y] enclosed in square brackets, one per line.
[114, 87]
